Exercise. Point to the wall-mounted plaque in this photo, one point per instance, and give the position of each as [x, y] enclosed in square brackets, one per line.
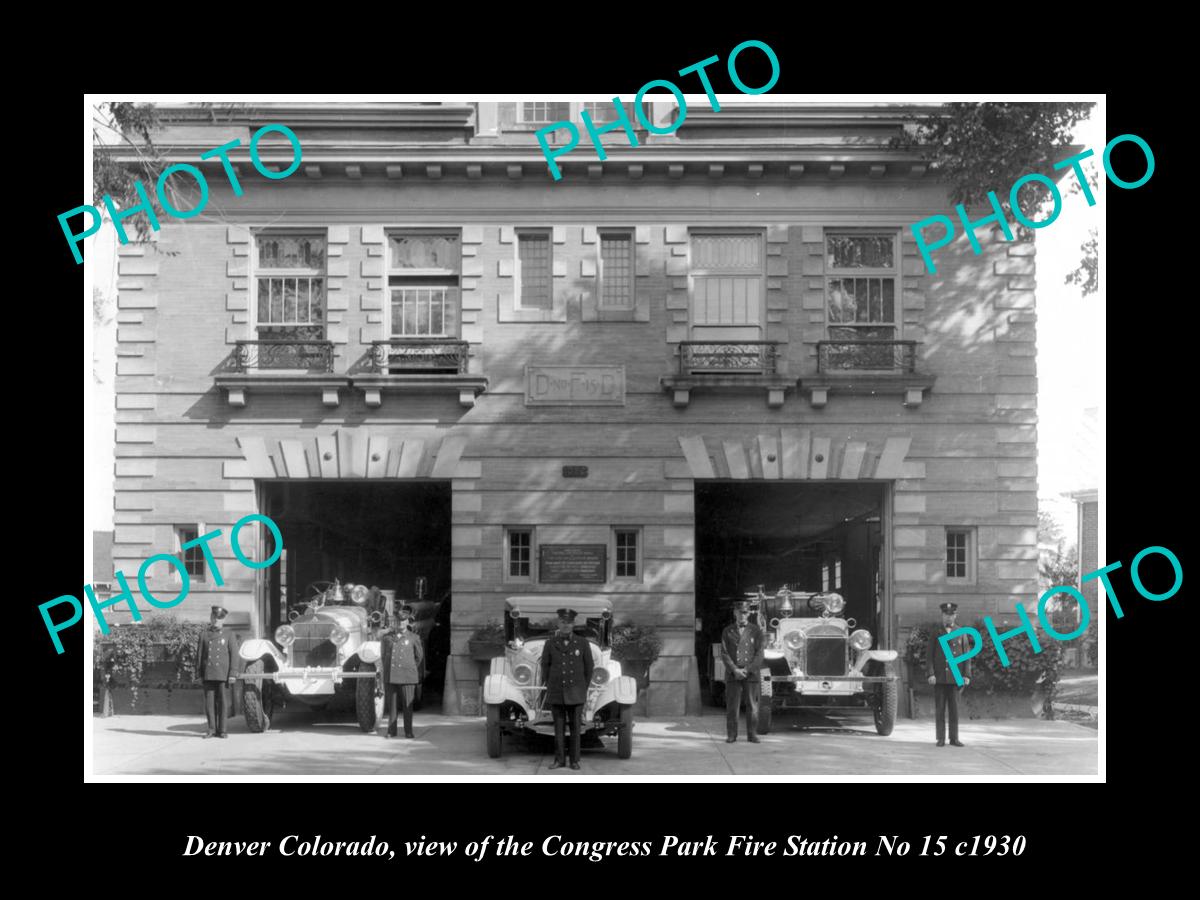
[572, 563]
[574, 385]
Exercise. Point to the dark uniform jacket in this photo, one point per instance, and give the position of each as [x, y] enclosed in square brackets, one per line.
[566, 670]
[215, 660]
[402, 655]
[938, 664]
[745, 652]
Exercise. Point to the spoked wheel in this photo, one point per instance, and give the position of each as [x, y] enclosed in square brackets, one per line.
[887, 701]
[364, 699]
[494, 737]
[625, 736]
[257, 701]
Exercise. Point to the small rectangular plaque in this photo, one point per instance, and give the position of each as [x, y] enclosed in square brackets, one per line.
[574, 385]
[573, 563]
[575, 471]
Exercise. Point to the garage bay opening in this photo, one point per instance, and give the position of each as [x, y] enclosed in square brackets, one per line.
[391, 536]
[810, 539]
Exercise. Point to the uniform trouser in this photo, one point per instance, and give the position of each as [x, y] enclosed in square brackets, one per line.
[561, 715]
[945, 697]
[735, 689]
[214, 706]
[406, 693]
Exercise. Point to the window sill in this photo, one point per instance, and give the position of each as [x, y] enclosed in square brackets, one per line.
[282, 381]
[681, 386]
[468, 387]
[910, 385]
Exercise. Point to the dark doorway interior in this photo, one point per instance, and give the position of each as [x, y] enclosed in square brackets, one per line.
[810, 537]
[365, 532]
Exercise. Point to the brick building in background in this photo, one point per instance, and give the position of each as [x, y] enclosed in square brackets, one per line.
[709, 362]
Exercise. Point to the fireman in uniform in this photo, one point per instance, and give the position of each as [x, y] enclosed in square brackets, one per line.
[566, 668]
[401, 656]
[945, 689]
[742, 654]
[217, 667]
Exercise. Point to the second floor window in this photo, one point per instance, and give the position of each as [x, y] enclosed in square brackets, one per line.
[423, 283]
[534, 270]
[616, 269]
[727, 284]
[862, 276]
[290, 286]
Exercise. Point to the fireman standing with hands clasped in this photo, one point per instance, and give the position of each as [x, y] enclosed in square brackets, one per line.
[217, 667]
[401, 655]
[945, 689]
[742, 654]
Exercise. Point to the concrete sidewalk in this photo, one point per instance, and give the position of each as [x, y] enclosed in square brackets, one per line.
[301, 744]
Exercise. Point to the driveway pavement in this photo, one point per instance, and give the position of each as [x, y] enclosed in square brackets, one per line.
[299, 743]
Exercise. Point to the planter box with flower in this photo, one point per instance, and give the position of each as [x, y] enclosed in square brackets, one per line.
[486, 642]
[1024, 688]
[148, 668]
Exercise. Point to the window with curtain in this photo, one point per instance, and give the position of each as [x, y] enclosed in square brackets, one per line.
[423, 284]
[290, 287]
[727, 279]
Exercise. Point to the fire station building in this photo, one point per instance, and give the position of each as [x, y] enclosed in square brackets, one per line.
[706, 363]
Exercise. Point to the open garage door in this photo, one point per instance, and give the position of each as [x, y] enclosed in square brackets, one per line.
[808, 537]
[394, 536]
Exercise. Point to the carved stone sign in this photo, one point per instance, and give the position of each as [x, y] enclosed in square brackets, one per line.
[572, 563]
[574, 385]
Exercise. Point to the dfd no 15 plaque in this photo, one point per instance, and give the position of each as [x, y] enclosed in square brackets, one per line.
[574, 385]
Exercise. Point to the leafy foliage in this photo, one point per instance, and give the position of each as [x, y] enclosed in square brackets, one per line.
[982, 147]
[132, 124]
[633, 641]
[1026, 671]
[121, 656]
[1049, 529]
[1057, 564]
[102, 315]
[1059, 568]
[914, 650]
[489, 633]
[1085, 275]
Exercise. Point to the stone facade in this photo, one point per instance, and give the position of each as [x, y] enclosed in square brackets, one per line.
[953, 447]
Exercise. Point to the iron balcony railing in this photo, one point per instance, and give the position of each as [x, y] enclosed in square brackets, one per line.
[311, 355]
[889, 356]
[419, 356]
[732, 357]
